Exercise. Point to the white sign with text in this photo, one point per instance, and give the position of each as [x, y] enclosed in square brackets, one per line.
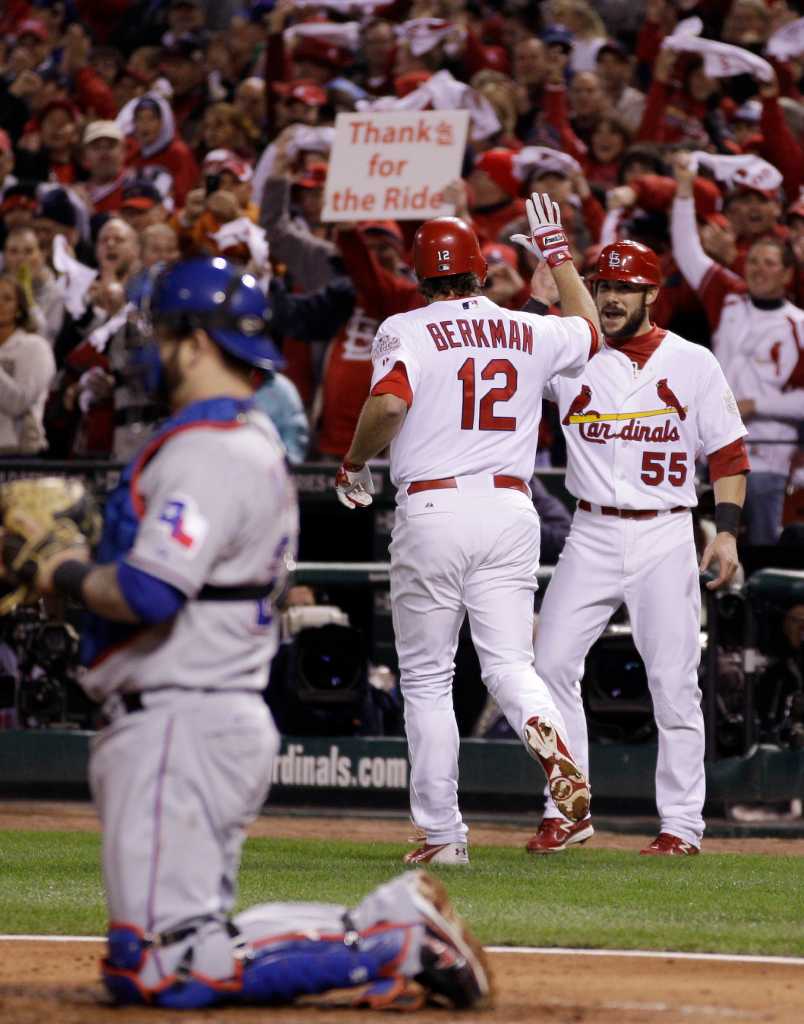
[394, 165]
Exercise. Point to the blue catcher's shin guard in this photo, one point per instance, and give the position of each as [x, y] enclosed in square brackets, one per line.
[281, 971]
[119, 970]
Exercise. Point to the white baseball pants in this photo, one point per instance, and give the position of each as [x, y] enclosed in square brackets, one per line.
[471, 550]
[651, 566]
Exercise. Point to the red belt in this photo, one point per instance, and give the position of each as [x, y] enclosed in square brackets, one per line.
[449, 482]
[629, 513]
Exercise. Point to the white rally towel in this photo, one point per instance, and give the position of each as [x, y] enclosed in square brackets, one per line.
[74, 277]
[787, 42]
[99, 338]
[443, 92]
[543, 158]
[311, 139]
[362, 7]
[244, 231]
[423, 34]
[734, 171]
[344, 35]
[721, 60]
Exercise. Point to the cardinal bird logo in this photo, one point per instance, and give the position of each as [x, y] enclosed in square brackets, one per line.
[578, 404]
[666, 395]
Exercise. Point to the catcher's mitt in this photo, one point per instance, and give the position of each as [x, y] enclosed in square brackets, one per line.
[41, 517]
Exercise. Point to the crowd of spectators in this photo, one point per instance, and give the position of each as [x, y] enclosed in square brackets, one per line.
[134, 131]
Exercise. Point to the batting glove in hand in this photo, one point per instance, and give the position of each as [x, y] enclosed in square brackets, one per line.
[548, 240]
[354, 486]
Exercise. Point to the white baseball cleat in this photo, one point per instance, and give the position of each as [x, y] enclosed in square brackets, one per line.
[443, 853]
[568, 785]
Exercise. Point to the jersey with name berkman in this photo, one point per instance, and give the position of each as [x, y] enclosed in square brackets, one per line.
[476, 373]
[633, 435]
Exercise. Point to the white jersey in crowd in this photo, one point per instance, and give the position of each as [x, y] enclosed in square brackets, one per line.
[220, 508]
[476, 372]
[636, 434]
[761, 350]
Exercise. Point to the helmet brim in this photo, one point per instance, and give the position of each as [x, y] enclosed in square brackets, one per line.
[259, 352]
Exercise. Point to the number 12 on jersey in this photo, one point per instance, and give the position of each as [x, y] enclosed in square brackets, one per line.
[487, 420]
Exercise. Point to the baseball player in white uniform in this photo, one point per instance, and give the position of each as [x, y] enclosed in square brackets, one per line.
[196, 544]
[456, 392]
[635, 421]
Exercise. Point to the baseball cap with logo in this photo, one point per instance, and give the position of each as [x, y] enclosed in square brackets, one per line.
[102, 130]
[141, 195]
[314, 176]
[305, 92]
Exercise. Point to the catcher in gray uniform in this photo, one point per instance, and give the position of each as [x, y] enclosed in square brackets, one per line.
[197, 541]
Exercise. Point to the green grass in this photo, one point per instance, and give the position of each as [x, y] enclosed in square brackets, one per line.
[732, 903]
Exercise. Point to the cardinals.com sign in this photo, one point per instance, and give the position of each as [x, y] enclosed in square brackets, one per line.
[394, 165]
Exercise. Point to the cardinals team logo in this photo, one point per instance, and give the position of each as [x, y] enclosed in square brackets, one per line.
[596, 426]
[614, 259]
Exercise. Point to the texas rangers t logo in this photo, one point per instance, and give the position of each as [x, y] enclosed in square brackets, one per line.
[185, 524]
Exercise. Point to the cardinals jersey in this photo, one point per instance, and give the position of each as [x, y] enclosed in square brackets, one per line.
[760, 349]
[633, 435]
[476, 373]
[762, 355]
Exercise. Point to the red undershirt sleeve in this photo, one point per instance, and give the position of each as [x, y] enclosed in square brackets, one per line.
[395, 383]
[729, 460]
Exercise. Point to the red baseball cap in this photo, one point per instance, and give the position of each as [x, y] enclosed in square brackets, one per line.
[410, 81]
[64, 105]
[305, 92]
[318, 51]
[498, 252]
[241, 169]
[499, 165]
[33, 27]
[314, 176]
[385, 227]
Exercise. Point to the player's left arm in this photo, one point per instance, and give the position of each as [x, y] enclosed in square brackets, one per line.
[116, 591]
[729, 499]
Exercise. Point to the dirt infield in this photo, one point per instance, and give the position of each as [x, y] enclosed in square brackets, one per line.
[41, 981]
[80, 817]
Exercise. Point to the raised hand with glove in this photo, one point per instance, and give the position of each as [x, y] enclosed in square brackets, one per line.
[548, 239]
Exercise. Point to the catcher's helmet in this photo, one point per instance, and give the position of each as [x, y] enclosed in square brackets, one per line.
[628, 261]
[447, 245]
[213, 295]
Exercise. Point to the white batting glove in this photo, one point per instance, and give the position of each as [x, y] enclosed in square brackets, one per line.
[354, 486]
[548, 240]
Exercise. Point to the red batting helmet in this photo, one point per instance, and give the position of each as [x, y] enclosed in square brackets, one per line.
[628, 261]
[447, 245]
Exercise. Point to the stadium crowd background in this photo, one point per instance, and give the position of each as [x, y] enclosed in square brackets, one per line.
[135, 131]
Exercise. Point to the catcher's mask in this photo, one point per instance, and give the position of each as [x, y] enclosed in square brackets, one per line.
[213, 295]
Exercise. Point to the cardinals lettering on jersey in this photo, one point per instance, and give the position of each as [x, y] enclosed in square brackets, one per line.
[596, 427]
